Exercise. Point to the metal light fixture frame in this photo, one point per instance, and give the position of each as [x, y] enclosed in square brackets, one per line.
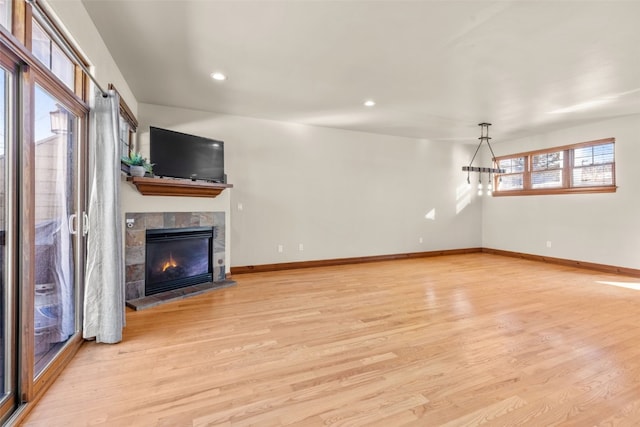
[484, 137]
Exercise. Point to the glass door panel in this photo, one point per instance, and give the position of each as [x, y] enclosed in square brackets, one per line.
[3, 252]
[8, 351]
[4, 354]
[56, 223]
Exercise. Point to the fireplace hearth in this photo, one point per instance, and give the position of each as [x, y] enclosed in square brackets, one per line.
[178, 257]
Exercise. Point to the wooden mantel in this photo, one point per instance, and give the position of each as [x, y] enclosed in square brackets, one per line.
[176, 187]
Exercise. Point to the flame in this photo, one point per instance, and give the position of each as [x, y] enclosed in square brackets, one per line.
[169, 264]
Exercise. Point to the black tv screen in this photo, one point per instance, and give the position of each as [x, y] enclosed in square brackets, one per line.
[179, 155]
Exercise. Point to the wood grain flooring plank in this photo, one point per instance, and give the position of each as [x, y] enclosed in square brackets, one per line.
[473, 339]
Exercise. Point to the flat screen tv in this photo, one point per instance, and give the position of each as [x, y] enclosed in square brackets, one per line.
[179, 155]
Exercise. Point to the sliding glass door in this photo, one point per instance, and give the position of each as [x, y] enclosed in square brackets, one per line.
[43, 140]
[8, 348]
[5, 355]
[42, 232]
[56, 225]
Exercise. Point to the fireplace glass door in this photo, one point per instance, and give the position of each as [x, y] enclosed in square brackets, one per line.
[177, 257]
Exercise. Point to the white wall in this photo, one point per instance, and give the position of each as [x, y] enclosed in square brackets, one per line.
[339, 193]
[346, 194]
[599, 228]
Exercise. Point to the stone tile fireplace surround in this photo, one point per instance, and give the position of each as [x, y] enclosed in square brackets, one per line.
[137, 224]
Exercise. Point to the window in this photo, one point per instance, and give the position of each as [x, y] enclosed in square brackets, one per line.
[125, 144]
[593, 166]
[578, 168]
[5, 14]
[128, 125]
[50, 54]
[512, 179]
[546, 170]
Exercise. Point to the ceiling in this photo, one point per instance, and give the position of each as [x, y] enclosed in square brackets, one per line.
[435, 68]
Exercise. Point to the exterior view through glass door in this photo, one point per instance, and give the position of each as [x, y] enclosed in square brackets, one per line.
[8, 290]
[56, 223]
[5, 354]
[43, 157]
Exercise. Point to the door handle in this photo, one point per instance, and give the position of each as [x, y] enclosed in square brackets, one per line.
[72, 218]
[85, 223]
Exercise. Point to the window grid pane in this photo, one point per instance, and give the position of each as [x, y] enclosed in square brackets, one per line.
[547, 179]
[124, 137]
[592, 176]
[512, 165]
[594, 155]
[62, 66]
[51, 55]
[41, 44]
[510, 182]
[5, 14]
[547, 161]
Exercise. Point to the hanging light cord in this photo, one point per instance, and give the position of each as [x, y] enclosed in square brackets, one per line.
[483, 137]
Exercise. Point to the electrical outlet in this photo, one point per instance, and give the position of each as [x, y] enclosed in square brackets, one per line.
[420, 240]
[300, 247]
[548, 243]
[240, 207]
[280, 248]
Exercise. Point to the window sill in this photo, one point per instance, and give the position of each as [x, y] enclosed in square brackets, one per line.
[549, 191]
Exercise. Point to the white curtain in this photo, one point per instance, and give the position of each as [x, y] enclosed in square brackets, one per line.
[104, 278]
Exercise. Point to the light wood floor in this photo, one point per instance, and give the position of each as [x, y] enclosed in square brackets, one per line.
[450, 341]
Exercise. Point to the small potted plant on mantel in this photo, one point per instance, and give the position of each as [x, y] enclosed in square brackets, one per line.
[138, 165]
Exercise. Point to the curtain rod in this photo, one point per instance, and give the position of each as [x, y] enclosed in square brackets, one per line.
[60, 39]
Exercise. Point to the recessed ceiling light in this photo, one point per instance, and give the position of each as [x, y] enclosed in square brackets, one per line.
[369, 103]
[218, 76]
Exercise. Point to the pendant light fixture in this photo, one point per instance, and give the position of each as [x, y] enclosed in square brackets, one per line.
[484, 137]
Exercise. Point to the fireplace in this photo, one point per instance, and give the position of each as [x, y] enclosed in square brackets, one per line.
[138, 224]
[178, 257]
